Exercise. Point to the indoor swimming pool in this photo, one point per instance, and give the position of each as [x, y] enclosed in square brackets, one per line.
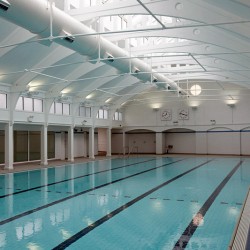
[125, 203]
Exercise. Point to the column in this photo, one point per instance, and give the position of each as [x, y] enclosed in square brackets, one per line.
[44, 145]
[71, 144]
[92, 143]
[108, 142]
[159, 143]
[9, 146]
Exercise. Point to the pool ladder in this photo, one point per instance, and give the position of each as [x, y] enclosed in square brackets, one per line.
[128, 151]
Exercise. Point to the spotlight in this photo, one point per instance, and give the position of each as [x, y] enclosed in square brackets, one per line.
[155, 80]
[109, 57]
[136, 70]
[231, 105]
[4, 5]
[30, 118]
[68, 37]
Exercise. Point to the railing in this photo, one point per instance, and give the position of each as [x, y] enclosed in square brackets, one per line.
[124, 152]
[132, 151]
[240, 239]
[128, 151]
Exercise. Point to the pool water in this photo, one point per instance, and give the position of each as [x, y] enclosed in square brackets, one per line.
[129, 203]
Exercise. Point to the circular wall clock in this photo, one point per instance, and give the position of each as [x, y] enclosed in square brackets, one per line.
[183, 114]
[166, 115]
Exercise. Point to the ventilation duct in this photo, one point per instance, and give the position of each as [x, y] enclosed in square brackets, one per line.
[35, 17]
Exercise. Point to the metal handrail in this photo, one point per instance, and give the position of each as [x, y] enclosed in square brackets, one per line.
[131, 151]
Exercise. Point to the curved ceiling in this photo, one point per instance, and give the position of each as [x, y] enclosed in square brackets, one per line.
[188, 42]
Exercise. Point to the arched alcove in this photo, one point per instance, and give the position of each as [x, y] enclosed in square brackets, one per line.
[180, 141]
[141, 141]
[223, 140]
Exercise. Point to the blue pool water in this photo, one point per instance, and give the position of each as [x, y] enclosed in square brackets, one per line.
[135, 203]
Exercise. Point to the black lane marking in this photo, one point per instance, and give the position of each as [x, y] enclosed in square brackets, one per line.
[81, 176]
[105, 218]
[81, 193]
[191, 228]
[223, 202]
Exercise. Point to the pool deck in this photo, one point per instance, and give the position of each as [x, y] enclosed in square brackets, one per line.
[241, 237]
[26, 166]
[20, 167]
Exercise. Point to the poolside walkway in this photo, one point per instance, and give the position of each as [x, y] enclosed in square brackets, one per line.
[19, 167]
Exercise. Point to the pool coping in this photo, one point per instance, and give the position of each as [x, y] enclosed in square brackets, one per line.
[240, 237]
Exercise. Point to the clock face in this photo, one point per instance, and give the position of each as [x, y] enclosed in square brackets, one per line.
[166, 115]
[183, 114]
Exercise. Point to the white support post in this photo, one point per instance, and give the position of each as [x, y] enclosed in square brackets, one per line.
[71, 144]
[108, 142]
[9, 146]
[44, 145]
[92, 143]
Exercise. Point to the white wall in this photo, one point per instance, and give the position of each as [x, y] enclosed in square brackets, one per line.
[59, 147]
[224, 136]
[245, 142]
[102, 139]
[183, 142]
[225, 142]
[116, 143]
[80, 145]
[144, 142]
[144, 116]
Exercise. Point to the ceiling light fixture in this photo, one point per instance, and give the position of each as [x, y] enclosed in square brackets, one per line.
[68, 37]
[195, 89]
